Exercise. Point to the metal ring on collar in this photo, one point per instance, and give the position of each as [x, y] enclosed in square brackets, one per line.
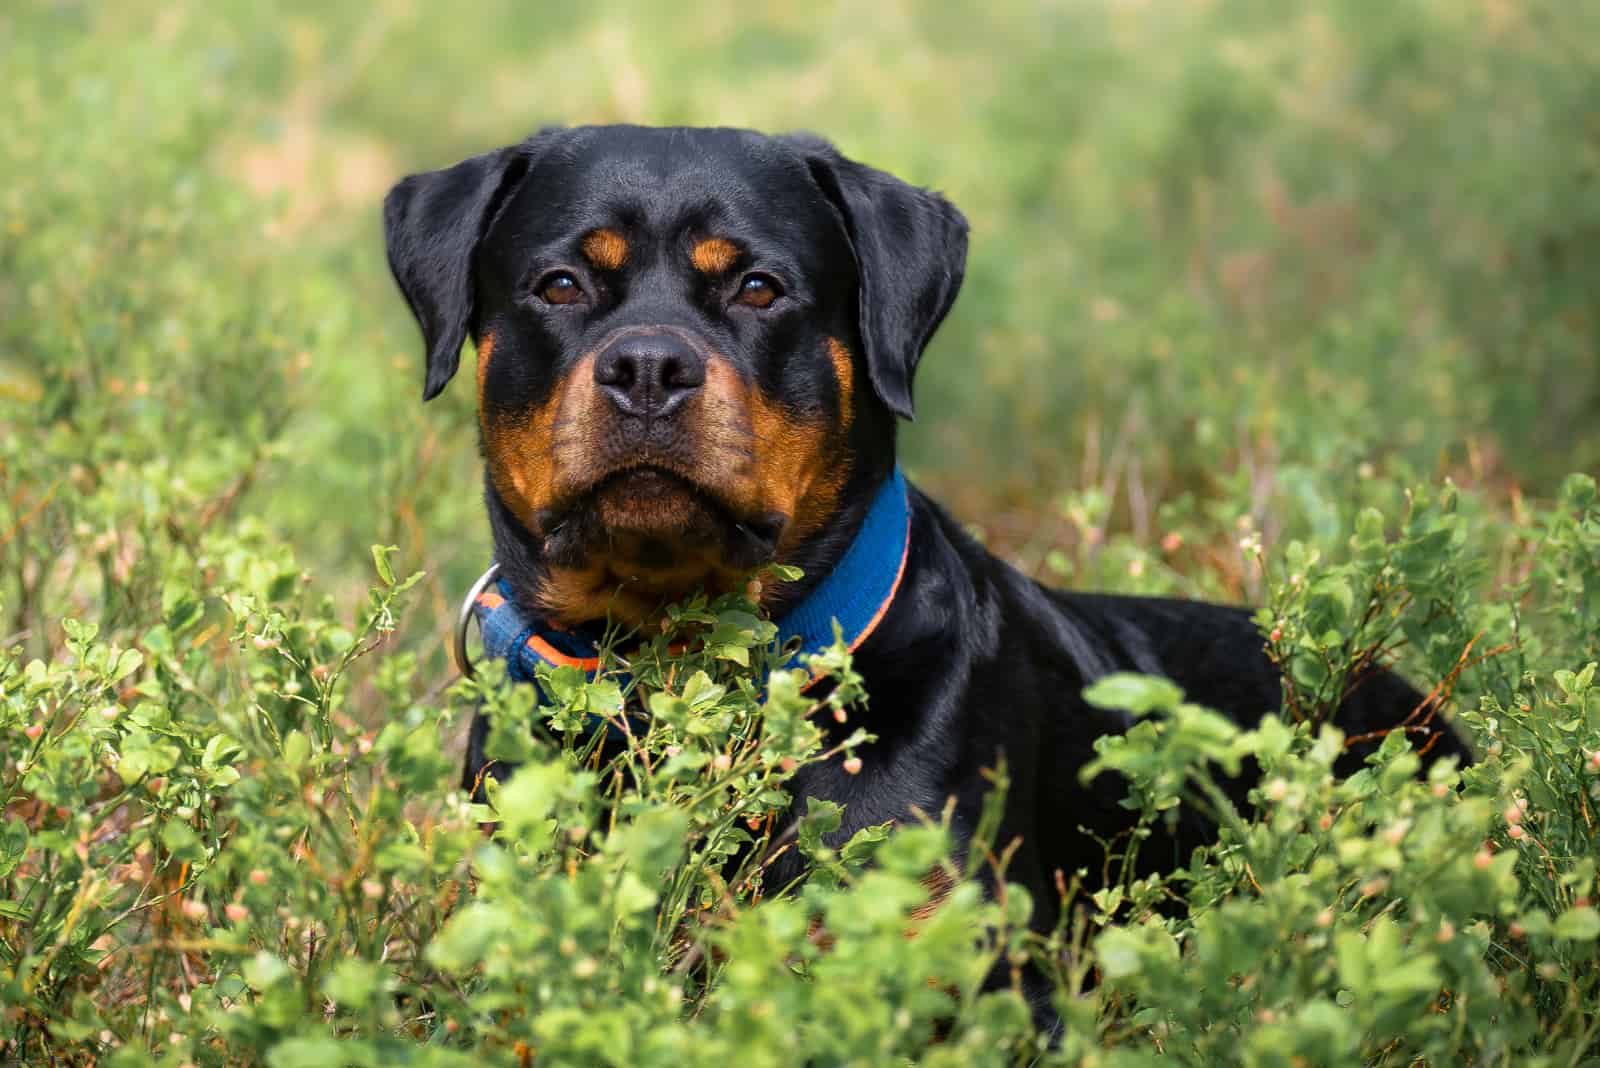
[462, 663]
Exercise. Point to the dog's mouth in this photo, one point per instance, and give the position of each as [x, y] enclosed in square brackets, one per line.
[646, 518]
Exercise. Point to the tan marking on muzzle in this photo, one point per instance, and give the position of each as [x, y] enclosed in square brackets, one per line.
[605, 249]
[713, 255]
[760, 457]
[521, 447]
[797, 467]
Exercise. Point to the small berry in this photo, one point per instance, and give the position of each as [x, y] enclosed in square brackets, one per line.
[852, 765]
[722, 762]
[372, 888]
[33, 730]
[1515, 832]
[1482, 859]
[258, 877]
[237, 912]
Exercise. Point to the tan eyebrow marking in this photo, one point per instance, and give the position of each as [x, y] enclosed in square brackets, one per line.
[713, 255]
[606, 249]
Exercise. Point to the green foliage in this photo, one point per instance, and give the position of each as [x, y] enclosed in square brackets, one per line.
[207, 858]
[1273, 302]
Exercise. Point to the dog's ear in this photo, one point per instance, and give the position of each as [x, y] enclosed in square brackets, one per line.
[910, 246]
[432, 225]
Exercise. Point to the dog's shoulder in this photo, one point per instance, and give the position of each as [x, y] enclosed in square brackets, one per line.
[1213, 651]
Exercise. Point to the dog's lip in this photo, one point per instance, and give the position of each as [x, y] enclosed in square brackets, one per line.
[763, 529]
[655, 471]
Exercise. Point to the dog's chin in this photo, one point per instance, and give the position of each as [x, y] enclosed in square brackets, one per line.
[652, 527]
[658, 510]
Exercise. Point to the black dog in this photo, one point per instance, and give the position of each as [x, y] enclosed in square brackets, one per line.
[693, 347]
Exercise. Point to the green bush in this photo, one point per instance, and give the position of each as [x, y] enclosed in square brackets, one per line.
[207, 858]
[1311, 289]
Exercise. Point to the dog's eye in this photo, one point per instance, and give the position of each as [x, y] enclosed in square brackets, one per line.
[559, 287]
[758, 291]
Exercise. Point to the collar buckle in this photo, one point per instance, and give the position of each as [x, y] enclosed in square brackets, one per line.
[459, 648]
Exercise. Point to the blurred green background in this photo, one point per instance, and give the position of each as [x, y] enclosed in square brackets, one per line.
[1232, 262]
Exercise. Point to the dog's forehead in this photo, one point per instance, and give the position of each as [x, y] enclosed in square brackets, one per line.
[670, 178]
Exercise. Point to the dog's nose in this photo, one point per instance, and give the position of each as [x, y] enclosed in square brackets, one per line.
[649, 374]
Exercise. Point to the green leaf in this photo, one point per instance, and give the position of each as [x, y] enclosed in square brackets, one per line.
[296, 749]
[380, 560]
[13, 845]
[319, 1051]
[182, 841]
[129, 662]
[352, 982]
[1578, 925]
[1118, 951]
[1138, 694]
[264, 971]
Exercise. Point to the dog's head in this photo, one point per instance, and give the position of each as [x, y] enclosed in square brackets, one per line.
[691, 343]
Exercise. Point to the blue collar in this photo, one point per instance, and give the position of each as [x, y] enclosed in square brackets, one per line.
[857, 593]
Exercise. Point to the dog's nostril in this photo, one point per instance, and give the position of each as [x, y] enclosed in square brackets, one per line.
[649, 374]
[620, 371]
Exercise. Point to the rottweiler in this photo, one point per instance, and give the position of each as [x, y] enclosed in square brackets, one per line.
[693, 350]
